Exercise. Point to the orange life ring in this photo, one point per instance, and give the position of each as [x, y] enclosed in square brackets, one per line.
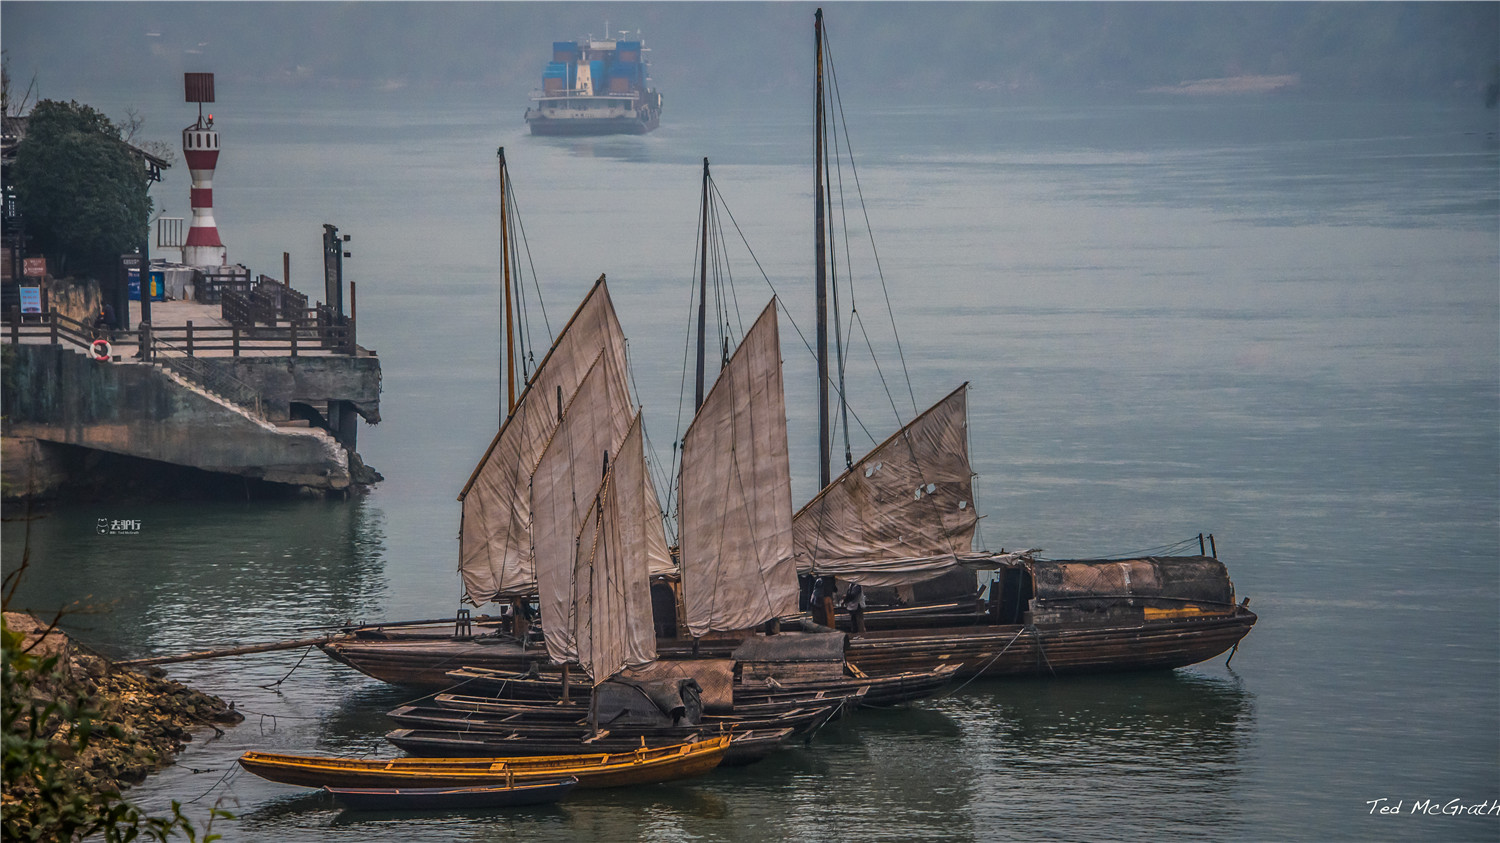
[100, 349]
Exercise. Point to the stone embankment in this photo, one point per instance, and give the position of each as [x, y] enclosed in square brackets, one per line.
[155, 716]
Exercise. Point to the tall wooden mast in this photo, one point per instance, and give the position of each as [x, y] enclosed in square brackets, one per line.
[702, 293]
[509, 372]
[821, 278]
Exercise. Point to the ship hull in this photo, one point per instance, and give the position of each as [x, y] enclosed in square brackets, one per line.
[591, 126]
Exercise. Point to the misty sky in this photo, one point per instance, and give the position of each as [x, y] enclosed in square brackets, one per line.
[754, 52]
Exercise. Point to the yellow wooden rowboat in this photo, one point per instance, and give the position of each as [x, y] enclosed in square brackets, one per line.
[616, 769]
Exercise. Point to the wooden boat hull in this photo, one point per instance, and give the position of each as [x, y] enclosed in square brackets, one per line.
[749, 747]
[508, 694]
[975, 648]
[593, 770]
[1028, 650]
[423, 662]
[885, 689]
[547, 724]
[746, 747]
[749, 703]
[454, 798]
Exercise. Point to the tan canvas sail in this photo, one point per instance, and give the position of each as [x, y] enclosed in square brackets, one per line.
[904, 513]
[736, 509]
[611, 595]
[495, 538]
[658, 555]
[562, 490]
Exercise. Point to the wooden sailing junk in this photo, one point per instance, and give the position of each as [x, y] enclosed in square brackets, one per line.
[562, 508]
[897, 521]
[904, 514]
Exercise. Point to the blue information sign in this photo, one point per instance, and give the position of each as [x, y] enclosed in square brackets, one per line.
[31, 299]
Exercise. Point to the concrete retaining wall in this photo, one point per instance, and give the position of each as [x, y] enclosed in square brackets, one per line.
[309, 380]
[57, 395]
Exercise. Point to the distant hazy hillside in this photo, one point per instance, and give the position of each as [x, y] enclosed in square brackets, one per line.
[704, 51]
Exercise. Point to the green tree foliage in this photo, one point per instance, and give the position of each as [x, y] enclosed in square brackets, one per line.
[47, 720]
[81, 189]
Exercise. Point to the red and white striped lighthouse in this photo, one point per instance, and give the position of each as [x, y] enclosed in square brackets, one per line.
[200, 148]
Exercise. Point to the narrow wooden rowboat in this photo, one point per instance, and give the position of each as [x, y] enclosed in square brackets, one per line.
[428, 729]
[885, 689]
[593, 770]
[550, 720]
[761, 703]
[746, 746]
[444, 798]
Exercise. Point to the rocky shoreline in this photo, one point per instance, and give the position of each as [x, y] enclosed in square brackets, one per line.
[143, 719]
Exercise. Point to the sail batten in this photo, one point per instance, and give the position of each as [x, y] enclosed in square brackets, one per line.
[904, 513]
[495, 539]
[737, 569]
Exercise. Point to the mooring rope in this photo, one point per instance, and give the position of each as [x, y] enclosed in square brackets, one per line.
[991, 662]
[289, 673]
[229, 775]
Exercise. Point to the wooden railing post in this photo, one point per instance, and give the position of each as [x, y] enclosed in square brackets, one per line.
[15, 324]
[294, 324]
[190, 338]
[52, 319]
[236, 330]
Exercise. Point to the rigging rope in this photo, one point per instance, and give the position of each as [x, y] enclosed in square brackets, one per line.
[536, 283]
[719, 204]
[781, 301]
[859, 190]
[1164, 550]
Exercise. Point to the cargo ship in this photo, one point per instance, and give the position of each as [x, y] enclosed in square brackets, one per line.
[595, 87]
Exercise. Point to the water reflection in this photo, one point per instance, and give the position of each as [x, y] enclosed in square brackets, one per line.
[321, 808]
[358, 724]
[1170, 745]
[630, 148]
[187, 577]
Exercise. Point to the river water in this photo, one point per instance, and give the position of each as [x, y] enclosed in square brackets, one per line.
[1270, 320]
